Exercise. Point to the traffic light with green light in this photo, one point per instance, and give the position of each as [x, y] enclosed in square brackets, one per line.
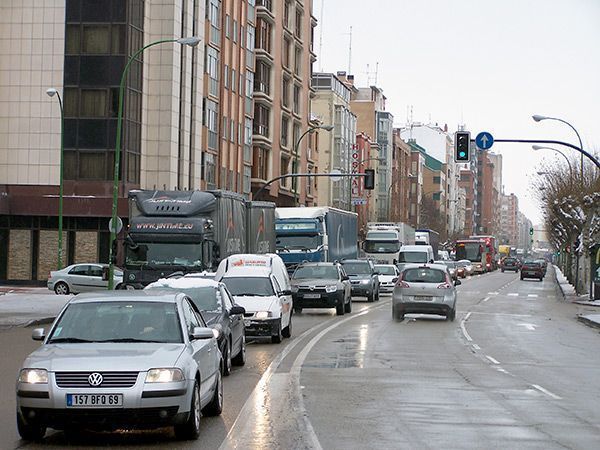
[462, 146]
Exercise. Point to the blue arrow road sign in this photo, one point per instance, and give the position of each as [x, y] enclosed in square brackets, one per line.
[484, 140]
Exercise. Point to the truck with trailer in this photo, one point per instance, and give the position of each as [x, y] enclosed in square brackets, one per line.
[315, 234]
[384, 239]
[191, 231]
[428, 237]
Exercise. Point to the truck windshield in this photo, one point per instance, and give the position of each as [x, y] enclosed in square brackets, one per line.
[470, 251]
[163, 254]
[381, 246]
[299, 242]
[249, 286]
[412, 257]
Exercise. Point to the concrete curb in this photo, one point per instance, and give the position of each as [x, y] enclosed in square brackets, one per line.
[588, 322]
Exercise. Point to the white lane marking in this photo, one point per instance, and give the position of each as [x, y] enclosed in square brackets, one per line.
[476, 347]
[493, 293]
[529, 326]
[486, 299]
[494, 361]
[501, 314]
[500, 369]
[546, 391]
[513, 294]
[532, 295]
[464, 329]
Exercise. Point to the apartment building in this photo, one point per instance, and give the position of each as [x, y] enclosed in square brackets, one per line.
[80, 49]
[331, 106]
[281, 141]
[417, 180]
[401, 178]
[509, 220]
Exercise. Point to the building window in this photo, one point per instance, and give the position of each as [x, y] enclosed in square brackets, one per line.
[250, 42]
[227, 26]
[287, 49]
[212, 69]
[298, 61]
[262, 77]
[285, 128]
[248, 140]
[437, 180]
[210, 121]
[225, 128]
[214, 15]
[298, 27]
[296, 100]
[226, 77]
[210, 174]
[285, 92]
[287, 9]
[261, 120]
[247, 179]
[285, 169]
[93, 102]
[233, 80]
[263, 35]
[96, 40]
[260, 166]
[266, 3]
[232, 132]
[234, 32]
[295, 134]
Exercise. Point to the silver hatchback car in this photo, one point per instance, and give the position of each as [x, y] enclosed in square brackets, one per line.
[426, 289]
[136, 359]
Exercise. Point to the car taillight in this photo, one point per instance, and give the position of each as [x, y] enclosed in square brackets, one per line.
[488, 265]
[444, 286]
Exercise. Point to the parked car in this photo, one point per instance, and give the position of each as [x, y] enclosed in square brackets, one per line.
[219, 311]
[426, 289]
[509, 263]
[128, 359]
[321, 285]
[86, 277]
[532, 269]
[388, 275]
[451, 265]
[464, 268]
[363, 278]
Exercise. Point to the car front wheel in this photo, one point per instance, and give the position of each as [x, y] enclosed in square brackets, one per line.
[276, 338]
[30, 431]
[226, 358]
[61, 288]
[240, 358]
[348, 307]
[190, 430]
[215, 407]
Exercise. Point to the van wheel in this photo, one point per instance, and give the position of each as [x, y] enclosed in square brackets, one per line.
[276, 338]
[287, 331]
[348, 307]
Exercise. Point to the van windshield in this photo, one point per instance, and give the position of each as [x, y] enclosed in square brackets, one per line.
[412, 257]
[250, 286]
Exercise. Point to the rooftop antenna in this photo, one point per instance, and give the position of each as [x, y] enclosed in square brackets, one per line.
[350, 52]
[321, 37]
[376, 71]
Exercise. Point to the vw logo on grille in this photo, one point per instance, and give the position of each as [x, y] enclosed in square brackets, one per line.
[95, 379]
[312, 288]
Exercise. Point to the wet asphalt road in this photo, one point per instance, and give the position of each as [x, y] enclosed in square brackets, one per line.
[515, 370]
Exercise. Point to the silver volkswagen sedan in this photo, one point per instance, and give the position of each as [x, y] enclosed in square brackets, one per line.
[426, 289]
[136, 359]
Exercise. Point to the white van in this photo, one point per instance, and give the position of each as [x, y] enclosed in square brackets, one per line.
[415, 254]
[260, 283]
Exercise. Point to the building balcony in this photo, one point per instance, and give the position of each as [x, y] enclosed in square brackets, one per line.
[264, 9]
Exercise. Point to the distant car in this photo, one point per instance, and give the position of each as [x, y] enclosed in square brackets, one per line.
[426, 289]
[128, 359]
[364, 278]
[451, 265]
[544, 264]
[464, 268]
[509, 263]
[218, 310]
[85, 277]
[532, 269]
[321, 285]
[388, 276]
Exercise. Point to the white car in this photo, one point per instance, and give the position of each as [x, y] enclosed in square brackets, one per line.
[86, 277]
[388, 276]
[267, 300]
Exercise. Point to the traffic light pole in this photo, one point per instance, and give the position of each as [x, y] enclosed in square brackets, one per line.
[298, 175]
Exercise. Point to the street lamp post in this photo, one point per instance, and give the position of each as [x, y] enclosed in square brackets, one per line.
[192, 42]
[51, 93]
[541, 147]
[296, 154]
[539, 118]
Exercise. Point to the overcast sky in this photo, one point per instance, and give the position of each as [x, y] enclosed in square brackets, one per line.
[489, 64]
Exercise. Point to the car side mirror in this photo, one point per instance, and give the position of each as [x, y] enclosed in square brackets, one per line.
[285, 292]
[431, 261]
[237, 310]
[345, 277]
[203, 333]
[376, 273]
[457, 282]
[38, 334]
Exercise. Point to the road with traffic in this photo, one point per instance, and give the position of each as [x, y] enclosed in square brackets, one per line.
[514, 370]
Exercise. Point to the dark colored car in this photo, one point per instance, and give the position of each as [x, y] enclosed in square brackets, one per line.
[509, 263]
[364, 278]
[321, 285]
[532, 269]
[218, 310]
[544, 264]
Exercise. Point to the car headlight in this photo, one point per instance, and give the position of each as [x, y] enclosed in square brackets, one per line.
[263, 314]
[33, 376]
[331, 288]
[164, 375]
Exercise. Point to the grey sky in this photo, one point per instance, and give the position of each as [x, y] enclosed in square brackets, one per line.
[489, 64]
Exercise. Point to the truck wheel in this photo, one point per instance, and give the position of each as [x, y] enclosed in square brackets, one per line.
[340, 308]
[276, 338]
[348, 307]
[287, 331]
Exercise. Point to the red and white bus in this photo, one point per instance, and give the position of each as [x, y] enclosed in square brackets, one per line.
[491, 245]
[474, 250]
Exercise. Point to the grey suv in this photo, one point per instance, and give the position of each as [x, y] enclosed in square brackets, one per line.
[321, 285]
[364, 278]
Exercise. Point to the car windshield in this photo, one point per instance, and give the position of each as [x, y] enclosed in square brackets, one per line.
[357, 268]
[386, 270]
[249, 286]
[206, 298]
[450, 264]
[303, 242]
[381, 246]
[412, 257]
[187, 255]
[118, 321]
[322, 272]
[423, 275]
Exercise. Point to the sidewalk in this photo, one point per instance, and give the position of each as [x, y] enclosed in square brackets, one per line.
[23, 306]
[568, 292]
